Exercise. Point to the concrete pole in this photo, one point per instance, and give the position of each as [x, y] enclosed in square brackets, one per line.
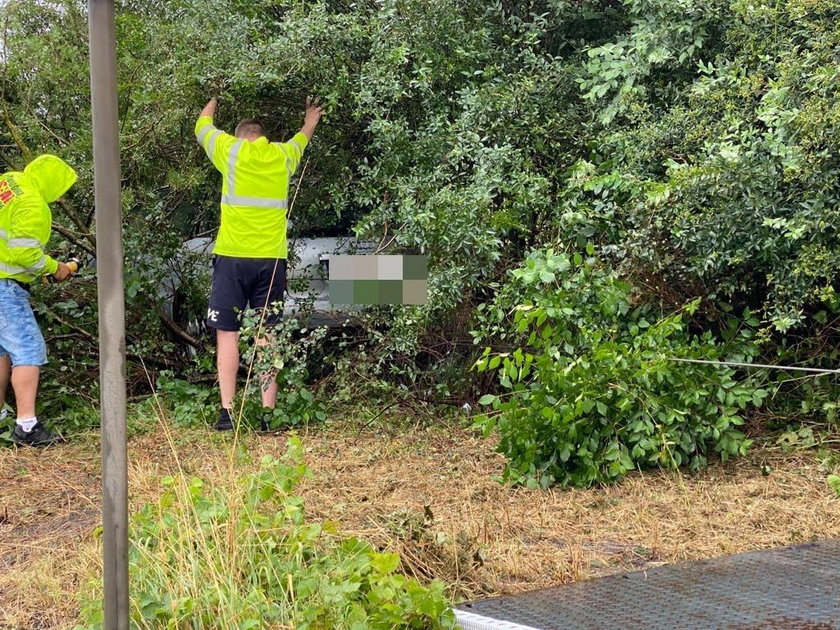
[109, 271]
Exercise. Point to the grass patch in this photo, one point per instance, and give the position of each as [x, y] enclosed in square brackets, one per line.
[378, 479]
[241, 555]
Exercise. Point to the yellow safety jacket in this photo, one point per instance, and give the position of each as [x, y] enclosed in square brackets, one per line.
[25, 218]
[255, 190]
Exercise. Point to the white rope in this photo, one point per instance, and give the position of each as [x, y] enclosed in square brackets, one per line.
[755, 365]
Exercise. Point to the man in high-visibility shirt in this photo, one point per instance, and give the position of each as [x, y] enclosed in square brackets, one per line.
[25, 225]
[249, 265]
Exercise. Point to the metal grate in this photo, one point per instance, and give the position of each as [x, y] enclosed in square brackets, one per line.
[793, 588]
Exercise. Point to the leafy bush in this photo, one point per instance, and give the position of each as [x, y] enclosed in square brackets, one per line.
[288, 354]
[188, 404]
[434, 113]
[695, 143]
[834, 483]
[723, 117]
[241, 555]
[591, 390]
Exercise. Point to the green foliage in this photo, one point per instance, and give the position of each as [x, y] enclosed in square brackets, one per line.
[590, 386]
[242, 555]
[800, 438]
[662, 33]
[436, 113]
[713, 173]
[287, 353]
[834, 484]
[188, 405]
[729, 153]
[693, 142]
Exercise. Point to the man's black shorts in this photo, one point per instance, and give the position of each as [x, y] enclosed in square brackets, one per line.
[245, 282]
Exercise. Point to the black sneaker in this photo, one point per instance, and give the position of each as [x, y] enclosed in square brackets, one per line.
[266, 418]
[225, 422]
[38, 436]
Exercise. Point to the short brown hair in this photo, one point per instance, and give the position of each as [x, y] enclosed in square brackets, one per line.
[249, 127]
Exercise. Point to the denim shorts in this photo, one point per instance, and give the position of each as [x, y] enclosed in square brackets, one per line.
[20, 336]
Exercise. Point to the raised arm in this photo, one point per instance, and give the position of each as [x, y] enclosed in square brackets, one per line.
[293, 149]
[215, 142]
[210, 108]
[314, 109]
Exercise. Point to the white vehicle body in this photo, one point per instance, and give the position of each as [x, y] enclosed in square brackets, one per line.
[307, 277]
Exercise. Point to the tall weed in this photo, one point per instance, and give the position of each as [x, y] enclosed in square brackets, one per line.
[242, 555]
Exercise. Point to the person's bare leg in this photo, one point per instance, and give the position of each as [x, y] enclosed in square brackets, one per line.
[25, 383]
[268, 389]
[268, 382]
[227, 364]
[5, 376]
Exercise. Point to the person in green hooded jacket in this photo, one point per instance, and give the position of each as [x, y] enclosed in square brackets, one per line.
[25, 225]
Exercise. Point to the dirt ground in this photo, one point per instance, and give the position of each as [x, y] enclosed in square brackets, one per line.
[427, 492]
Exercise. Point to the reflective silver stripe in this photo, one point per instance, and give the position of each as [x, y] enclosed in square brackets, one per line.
[297, 145]
[37, 266]
[25, 242]
[203, 133]
[255, 202]
[282, 148]
[471, 621]
[9, 269]
[20, 242]
[289, 161]
[234, 152]
[211, 146]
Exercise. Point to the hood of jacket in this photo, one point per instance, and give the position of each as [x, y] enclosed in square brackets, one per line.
[50, 176]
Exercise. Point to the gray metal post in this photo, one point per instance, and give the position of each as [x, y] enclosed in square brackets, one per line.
[109, 271]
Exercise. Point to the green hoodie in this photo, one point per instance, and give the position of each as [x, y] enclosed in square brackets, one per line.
[25, 218]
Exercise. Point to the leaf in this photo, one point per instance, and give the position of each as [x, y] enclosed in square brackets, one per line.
[385, 563]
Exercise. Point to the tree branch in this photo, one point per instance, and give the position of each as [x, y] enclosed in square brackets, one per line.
[84, 333]
[73, 238]
[15, 133]
[94, 341]
[83, 226]
[179, 332]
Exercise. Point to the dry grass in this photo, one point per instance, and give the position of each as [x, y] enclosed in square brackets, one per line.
[426, 492]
